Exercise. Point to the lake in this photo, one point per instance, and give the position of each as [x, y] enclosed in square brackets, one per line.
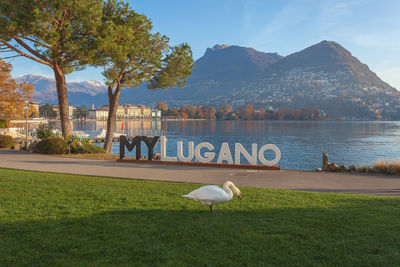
[301, 142]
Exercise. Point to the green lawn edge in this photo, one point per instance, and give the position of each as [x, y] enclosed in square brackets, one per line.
[78, 220]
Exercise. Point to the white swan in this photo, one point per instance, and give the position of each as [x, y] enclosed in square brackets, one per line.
[212, 194]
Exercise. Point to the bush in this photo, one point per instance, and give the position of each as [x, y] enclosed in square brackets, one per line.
[362, 168]
[84, 146]
[59, 145]
[396, 167]
[79, 148]
[7, 141]
[3, 123]
[52, 145]
[44, 132]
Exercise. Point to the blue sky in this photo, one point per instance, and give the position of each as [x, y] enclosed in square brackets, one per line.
[369, 29]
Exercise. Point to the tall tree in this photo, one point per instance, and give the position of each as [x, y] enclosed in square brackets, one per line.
[47, 111]
[57, 33]
[132, 55]
[247, 112]
[162, 107]
[13, 96]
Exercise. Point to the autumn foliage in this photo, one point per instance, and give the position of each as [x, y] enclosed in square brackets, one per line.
[12, 94]
[248, 112]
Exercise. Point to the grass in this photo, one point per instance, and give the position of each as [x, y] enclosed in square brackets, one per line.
[51, 219]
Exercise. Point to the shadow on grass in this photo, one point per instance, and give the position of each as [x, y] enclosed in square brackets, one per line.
[362, 232]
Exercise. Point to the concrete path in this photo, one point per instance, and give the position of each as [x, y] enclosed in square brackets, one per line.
[284, 179]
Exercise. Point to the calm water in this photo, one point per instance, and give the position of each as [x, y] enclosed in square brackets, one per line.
[301, 143]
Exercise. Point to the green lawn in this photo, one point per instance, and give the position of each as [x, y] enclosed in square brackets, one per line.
[72, 220]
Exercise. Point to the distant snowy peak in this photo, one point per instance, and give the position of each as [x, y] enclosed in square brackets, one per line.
[45, 88]
[94, 83]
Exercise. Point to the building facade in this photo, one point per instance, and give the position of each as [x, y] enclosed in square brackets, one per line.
[123, 112]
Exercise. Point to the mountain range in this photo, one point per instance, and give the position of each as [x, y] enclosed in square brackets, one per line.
[324, 75]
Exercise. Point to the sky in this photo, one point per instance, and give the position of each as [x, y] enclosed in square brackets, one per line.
[369, 29]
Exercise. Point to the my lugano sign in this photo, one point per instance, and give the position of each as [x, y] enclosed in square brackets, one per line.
[194, 152]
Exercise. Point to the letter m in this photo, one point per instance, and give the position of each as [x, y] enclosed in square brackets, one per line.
[123, 142]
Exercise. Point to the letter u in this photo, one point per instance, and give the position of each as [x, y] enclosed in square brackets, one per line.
[179, 148]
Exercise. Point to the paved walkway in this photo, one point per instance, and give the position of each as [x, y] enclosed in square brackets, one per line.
[283, 179]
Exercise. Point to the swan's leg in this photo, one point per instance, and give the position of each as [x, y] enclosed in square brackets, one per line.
[211, 208]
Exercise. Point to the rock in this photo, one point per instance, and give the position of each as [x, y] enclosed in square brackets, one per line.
[333, 166]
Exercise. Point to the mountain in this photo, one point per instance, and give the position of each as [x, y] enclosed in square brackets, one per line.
[329, 57]
[220, 69]
[79, 93]
[324, 75]
[231, 63]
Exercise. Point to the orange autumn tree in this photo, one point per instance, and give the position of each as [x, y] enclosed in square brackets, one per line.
[13, 95]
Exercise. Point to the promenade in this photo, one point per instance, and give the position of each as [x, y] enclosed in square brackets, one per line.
[283, 179]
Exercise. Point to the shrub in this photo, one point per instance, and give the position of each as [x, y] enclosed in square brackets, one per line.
[93, 149]
[52, 145]
[84, 146]
[44, 131]
[7, 141]
[382, 166]
[3, 123]
[362, 168]
[396, 167]
[79, 148]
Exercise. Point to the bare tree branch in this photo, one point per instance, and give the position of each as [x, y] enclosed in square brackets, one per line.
[11, 57]
[24, 54]
[27, 47]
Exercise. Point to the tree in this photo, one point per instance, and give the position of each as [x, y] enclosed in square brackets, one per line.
[57, 33]
[246, 113]
[81, 112]
[223, 111]
[173, 112]
[13, 96]
[132, 55]
[47, 111]
[162, 107]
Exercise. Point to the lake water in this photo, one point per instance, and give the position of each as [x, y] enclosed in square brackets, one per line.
[301, 142]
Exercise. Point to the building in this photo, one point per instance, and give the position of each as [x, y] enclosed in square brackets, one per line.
[123, 112]
[132, 111]
[145, 112]
[71, 110]
[156, 113]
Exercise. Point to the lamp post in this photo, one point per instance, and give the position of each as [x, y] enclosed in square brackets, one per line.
[26, 126]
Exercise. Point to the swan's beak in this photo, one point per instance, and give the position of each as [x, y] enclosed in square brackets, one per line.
[239, 196]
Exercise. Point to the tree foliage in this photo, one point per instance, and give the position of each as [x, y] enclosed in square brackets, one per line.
[60, 34]
[13, 96]
[162, 107]
[133, 55]
[47, 111]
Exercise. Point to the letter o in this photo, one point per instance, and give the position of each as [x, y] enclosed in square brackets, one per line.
[269, 162]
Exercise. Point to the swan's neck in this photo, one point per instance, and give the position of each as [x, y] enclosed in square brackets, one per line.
[228, 191]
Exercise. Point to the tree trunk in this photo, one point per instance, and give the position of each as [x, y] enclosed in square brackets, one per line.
[112, 115]
[62, 101]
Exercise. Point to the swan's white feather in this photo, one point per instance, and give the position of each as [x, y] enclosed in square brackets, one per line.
[209, 194]
[212, 194]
